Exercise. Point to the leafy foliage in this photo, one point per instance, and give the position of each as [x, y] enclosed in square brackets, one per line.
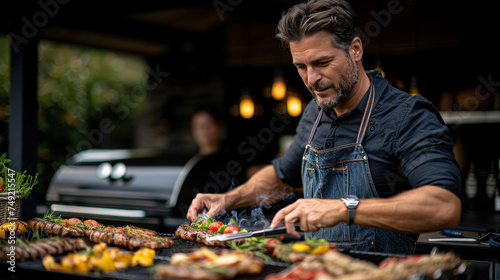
[77, 88]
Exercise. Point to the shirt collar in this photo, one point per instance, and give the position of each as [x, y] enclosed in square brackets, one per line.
[379, 83]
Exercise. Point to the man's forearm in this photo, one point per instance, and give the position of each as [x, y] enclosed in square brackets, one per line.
[424, 209]
[263, 188]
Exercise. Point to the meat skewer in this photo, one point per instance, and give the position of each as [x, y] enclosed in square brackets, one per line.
[53, 246]
[136, 238]
[55, 228]
[130, 242]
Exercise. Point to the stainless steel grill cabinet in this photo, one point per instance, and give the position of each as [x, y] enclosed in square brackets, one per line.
[141, 186]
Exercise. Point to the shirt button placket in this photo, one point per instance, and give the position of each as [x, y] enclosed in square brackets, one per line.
[372, 127]
[329, 141]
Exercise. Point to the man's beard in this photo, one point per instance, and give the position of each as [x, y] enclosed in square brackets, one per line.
[341, 91]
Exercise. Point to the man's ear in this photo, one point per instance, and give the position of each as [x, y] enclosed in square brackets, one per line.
[356, 49]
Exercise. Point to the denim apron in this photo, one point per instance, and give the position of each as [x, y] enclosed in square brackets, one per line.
[340, 171]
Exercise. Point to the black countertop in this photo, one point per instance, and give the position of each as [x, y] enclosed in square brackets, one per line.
[474, 224]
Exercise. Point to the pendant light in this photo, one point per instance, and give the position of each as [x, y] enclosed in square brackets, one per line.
[293, 105]
[278, 89]
[247, 105]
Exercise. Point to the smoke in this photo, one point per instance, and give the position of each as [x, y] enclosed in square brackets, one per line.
[248, 219]
[255, 218]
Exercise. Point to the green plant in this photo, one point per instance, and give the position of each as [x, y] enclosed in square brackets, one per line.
[11, 180]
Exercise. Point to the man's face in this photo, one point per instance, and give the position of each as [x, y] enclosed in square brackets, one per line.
[327, 71]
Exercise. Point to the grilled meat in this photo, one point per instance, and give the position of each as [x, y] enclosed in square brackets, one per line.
[136, 238]
[53, 246]
[55, 228]
[205, 263]
[185, 231]
[130, 242]
[146, 230]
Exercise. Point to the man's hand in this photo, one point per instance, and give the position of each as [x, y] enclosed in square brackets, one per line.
[312, 214]
[213, 203]
[424, 209]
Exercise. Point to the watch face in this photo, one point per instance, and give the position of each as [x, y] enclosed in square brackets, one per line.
[351, 201]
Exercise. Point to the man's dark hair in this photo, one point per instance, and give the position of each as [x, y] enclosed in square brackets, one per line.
[335, 16]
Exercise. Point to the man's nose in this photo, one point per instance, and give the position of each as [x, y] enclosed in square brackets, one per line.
[313, 76]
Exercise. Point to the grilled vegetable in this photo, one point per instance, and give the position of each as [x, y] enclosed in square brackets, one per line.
[14, 226]
[231, 229]
[222, 229]
[73, 221]
[271, 243]
[100, 258]
[91, 223]
[214, 226]
[301, 247]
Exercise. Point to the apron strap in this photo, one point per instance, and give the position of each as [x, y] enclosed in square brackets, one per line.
[313, 130]
[368, 112]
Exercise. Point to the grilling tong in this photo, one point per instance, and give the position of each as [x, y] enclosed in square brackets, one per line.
[255, 233]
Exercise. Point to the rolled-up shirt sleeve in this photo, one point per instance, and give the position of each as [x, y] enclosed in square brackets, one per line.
[425, 150]
[288, 165]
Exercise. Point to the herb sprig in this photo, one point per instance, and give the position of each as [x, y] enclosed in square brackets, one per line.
[23, 182]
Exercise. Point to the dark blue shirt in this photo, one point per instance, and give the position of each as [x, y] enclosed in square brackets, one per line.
[407, 141]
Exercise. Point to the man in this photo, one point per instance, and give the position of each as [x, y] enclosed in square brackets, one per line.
[376, 164]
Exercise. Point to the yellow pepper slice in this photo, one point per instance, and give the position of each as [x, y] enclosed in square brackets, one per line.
[143, 257]
[105, 263]
[320, 250]
[301, 247]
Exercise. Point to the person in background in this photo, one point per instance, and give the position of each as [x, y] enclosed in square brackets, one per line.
[214, 167]
[376, 164]
[207, 129]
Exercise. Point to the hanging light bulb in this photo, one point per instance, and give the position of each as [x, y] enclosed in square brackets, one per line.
[247, 106]
[413, 86]
[278, 89]
[293, 104]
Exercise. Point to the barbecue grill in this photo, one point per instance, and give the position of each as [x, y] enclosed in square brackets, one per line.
[152, 188]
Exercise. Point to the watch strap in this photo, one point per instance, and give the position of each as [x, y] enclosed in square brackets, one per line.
[350, 215]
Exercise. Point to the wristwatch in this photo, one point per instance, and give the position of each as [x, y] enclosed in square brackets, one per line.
[351, 202]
